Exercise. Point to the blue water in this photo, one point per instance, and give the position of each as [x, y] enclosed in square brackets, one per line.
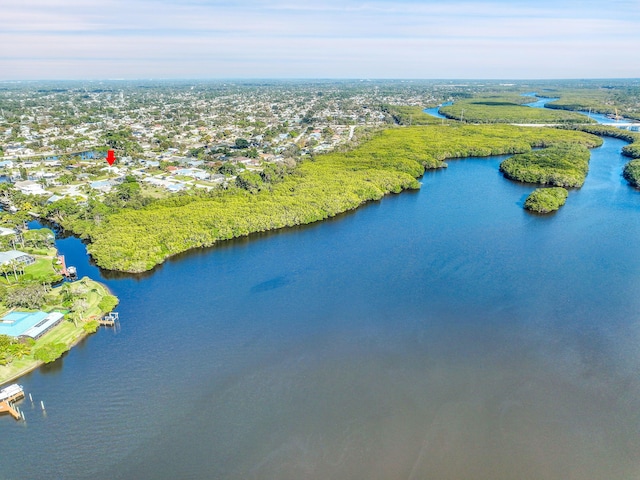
[598, 117]
[539, 102]
[436, 111]
[442, 334]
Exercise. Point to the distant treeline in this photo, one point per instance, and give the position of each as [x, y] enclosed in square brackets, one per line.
[507, 109]
[408, 115]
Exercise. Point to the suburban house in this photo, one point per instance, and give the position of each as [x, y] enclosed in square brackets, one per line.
[29, 187]
[16, 255]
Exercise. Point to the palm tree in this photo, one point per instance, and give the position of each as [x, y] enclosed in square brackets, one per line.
[74, 316]
[14, 265]
[79, 307]
[67, 296]
[4, 269]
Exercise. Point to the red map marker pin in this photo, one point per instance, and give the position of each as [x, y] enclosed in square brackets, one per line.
[110, 157]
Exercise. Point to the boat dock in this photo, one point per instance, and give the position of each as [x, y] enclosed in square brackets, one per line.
[8, 396]
[110, 320]
[6, 407]
[70, 271]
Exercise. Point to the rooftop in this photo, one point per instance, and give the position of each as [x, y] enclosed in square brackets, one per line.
[15, 324]
[8, 256]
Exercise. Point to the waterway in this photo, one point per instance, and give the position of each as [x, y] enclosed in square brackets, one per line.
[538, 102]
[435, 112]
[541, 102]
[442, 334]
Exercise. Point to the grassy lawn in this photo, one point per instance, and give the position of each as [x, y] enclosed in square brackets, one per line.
[65, 333]
[42, 271]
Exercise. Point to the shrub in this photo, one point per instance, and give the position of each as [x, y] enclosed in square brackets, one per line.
[546, 200]
[91, 327]
[563, 165]
[50, 352]
[631, 173]
[108, 303]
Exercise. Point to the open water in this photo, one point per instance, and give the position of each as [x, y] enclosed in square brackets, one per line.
[441, 334]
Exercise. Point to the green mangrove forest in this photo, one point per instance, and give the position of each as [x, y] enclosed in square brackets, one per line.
[546, 200]
[508, 109]
[632, 150]
[631, 173]
[561, 165]
[138, 237]
[410, 115]
[621, 99]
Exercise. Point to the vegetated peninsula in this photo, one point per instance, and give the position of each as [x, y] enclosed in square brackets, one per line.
[410, 115]
[631, 173]
[508, 109]
[546, 200]
[561, 165]
[632, 150]
[38, 322]
[614, 100]
[207, 161]
[136, 239]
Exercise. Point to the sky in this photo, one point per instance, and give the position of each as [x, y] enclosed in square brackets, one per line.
[459, 39]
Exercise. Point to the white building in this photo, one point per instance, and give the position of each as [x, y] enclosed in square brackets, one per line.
[29, 187]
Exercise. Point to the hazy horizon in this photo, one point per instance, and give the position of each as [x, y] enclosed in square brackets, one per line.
[325, 39]
[472, 81]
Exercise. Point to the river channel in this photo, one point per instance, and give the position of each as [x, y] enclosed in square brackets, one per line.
[443, 334]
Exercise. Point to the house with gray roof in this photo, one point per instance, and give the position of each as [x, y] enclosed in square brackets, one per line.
[18, 256]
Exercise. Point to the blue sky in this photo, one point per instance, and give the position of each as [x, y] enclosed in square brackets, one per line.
[82, 39]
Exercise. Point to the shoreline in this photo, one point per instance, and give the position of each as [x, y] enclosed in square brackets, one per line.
[40, 363]
[21, 373]
[137, 241]
[78, 335]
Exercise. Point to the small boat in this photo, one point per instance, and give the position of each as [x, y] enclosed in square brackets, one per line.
[71, 272]
[8, 396]
[11, 393]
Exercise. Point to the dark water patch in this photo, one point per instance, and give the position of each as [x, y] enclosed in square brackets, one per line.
[271, 284]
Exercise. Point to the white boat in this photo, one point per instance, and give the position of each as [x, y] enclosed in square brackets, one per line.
[12, 392]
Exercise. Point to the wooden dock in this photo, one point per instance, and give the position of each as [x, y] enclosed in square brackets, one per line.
[6, 407]
[68, 272]
[109, 320]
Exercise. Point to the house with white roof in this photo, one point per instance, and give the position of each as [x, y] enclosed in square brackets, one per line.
[29, 187]
[16, 255]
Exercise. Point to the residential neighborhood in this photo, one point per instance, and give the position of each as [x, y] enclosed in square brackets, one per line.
[175, 137]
